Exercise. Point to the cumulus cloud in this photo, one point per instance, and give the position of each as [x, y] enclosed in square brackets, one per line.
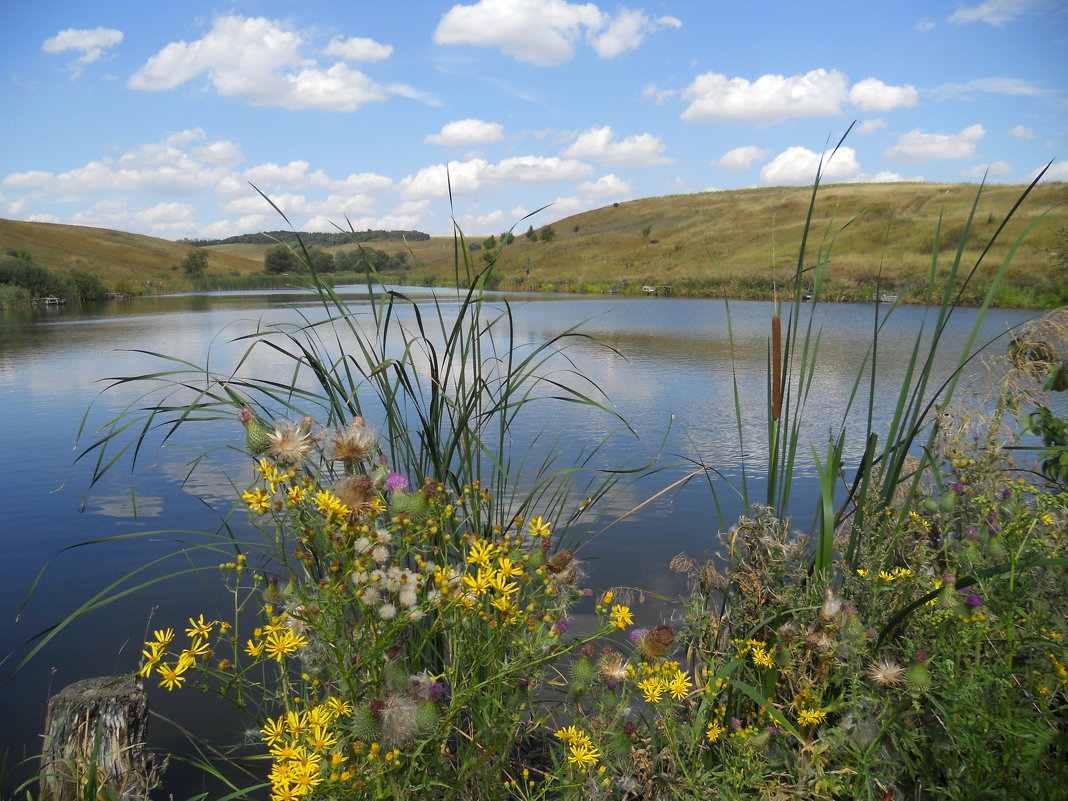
[1021, 132]
[874, 95]
[870, 126]
[767, 100]
[919, 146]
[466, 132]
[91, 43]
[162, 219]
[164, 167]
[659, 95]
[262, 63]
[991, 170]
[798, 165]
[609, 185]
[740, 158]
[992, 12]
[1056, 172]
[546, 32]
[596, 144]
[358, 48]
[473, 175]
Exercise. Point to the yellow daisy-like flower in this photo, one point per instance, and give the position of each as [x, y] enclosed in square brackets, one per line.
[163, 637]
[680, 685]
[583, 754]
[329, 504]
[811, 717]
[199, 628]
[253, 648]
[282, 643]
[339, 706]
[172, 676]
[507, 567]
[538, 527]
[198, 647]
[621, 616]
[273, 731]
[296, 494]
[501, 584]
[481, 553]
[258, 501]
[652, 689]
[714, 731]
[321, 739]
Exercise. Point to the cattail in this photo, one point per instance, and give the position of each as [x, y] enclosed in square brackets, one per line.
[776, 366]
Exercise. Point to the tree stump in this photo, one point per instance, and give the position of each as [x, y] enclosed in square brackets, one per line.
[94, 742]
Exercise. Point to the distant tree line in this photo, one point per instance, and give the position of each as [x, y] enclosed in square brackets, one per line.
[18, 270]
[284, 259]
[318, 239]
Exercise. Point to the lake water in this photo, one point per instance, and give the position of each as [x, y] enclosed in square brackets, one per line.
[673, 382]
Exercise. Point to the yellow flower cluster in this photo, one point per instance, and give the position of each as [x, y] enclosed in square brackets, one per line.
[580, 748]
[759, 652]
[304, 749]
[715, 730]
[172, 673]
[664, 679]
[275, 640]
[885, 575]
[808, 716]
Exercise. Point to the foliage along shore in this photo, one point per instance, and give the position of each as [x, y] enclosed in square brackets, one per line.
[736, 243]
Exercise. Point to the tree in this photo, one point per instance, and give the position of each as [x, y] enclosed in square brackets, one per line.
[279, 259]
[490, 243]
[547, 233]
[322, 261]
[530, 234]
[194, 263]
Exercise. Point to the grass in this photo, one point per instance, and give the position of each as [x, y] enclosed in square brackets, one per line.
[753, 236]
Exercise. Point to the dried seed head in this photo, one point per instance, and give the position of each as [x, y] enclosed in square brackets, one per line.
[352, 443]
[885, 673]
[290, 442]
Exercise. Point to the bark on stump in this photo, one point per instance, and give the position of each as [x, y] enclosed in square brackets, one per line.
[95, 734]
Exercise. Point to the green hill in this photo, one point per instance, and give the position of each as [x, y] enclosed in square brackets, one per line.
[744, 242]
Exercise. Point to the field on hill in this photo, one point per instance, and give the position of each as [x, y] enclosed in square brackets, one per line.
[742, 242]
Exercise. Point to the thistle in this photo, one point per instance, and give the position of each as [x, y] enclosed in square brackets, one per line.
[257, 432]
[918, 675]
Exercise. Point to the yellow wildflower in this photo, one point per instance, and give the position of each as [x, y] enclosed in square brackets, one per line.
[715, 729]
[621, 616]
[538, 527]
[258, 501]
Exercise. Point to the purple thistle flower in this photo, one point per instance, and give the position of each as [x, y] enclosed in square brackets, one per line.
[970, 598]
[561, 626]
[958, 488]
[434, 691]
[395, 482]
[637, 634]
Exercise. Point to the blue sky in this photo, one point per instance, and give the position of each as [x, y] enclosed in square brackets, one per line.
[158, 117]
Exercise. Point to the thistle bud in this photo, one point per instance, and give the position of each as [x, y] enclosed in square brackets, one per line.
[257, 432]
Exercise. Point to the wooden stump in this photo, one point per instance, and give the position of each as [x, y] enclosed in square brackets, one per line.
[94, 742]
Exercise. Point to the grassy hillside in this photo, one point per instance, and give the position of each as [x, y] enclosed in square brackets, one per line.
[744, 242]
[131, 261]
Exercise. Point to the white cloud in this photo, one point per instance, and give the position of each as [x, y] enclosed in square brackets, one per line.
[545, 32]
[874, 95]
[798, 165]
[44, 218]
[871, 126]
[741, 158]
[640, 150]
[606, 186]
[925, 25]
[1056, 172]
[466, 132]
[91, 43]
[627, 31]
[992, 12]
[1021, 132]
[260, 62]
[358, 48]
[767, 100]
[659, 95]
[162, 168]
[294, 175]
[988, 170]
[162, 219]
[473, 175]
[919, 146]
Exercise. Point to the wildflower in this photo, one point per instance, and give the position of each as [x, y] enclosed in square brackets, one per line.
[256, 431]
[811, 717]
[290, 442]
[296, 494]
[918, 675]
[715, 730]
[481, 553]
[395, 482]
[637, 634]
[885, 673]
[387, 611]
[583, 754]
[501, 584]
[172, 676]
[352, 443]
[657, 643]
[329, 504]
[273, 732]
[538, 527]
[679, 686]
[258, 501]
[253, 648]
[652, 689]
[613, 667]
[621, 616]
[282, 643]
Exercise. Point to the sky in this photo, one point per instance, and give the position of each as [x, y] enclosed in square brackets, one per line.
[165, 118]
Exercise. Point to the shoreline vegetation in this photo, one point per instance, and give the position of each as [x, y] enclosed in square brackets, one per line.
[403, 624]
[736, 244]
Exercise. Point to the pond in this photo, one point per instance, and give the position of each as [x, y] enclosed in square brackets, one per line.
[666, 366]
